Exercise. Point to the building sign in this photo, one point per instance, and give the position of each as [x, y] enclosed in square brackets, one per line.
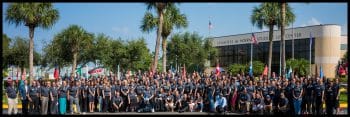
[296, 33]
[259, 37]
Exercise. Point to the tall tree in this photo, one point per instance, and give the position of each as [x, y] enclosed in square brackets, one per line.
[74, 40]
[32, 15]
[160, 8]
[5, 50]
[172, 18]
[268, 14]
[286, 19]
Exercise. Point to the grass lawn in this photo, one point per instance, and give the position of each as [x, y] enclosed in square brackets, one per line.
[343, 98]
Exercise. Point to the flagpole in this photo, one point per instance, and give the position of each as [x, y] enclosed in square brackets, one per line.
[251, 49]
[293, 40]
[310, 52]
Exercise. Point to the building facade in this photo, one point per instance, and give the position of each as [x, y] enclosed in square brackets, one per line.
[327, 47]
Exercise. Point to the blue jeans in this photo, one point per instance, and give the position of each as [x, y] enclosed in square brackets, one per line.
[200, 106]
[100, 102]
[76, 101]
[297, 105]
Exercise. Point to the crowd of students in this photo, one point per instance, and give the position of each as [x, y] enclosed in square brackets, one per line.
[174, 92]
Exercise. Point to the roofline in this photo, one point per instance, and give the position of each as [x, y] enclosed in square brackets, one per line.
[277, 30]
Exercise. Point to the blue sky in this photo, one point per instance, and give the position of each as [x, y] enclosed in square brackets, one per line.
[124, 19]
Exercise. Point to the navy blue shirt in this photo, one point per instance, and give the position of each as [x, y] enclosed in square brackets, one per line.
[73, 91]
[45, 91]
[63, 91]
[318, 90]
[54, 91]
[11, 92]
[33, 91]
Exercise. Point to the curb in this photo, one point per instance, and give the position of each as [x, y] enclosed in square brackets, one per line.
[344, 105]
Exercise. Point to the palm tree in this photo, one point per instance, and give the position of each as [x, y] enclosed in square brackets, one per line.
[76, 39]
[268, 14]
[172, 17]
[290, 18]
[32, 15]
[160, 7]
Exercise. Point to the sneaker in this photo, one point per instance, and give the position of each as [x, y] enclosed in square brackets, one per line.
[152, 110]
[200, 111]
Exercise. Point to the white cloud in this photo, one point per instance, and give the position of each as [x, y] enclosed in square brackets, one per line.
[121, 30]
[312, 21]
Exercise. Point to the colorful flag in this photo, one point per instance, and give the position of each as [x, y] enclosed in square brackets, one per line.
[251, 70]
[265, 71]
[56, 74]
[254, 39]
[217, 69]
[210, 25]
[321, 72]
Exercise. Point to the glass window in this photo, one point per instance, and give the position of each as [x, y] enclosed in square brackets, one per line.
[343, 46]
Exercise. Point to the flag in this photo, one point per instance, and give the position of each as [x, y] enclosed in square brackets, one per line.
[254, 39]
[321, 72]
[265, 71]
[289, 73]
[251, 70]
[217, 69]
[56, 74]
[210, 25]
[78, 71]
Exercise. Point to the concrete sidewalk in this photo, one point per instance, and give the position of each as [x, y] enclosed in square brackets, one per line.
[344, 105]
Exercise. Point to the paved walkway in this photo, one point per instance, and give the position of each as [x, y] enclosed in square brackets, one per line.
[4, 111]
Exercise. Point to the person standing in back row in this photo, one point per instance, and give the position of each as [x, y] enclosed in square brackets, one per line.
[54, 98]
[44, 96]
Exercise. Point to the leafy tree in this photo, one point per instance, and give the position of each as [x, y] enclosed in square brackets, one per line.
[172, 18]
[287, 17]
[191, 50]
[5, 50]
[32, 15]
[268, 14]
[258, 67]
[299, 66]
[74, 40]
[138, 55]
[237, 68]
[160, 7]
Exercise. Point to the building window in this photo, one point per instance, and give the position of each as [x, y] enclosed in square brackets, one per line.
[343, 46]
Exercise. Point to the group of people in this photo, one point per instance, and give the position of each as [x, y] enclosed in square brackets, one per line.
[175, 92]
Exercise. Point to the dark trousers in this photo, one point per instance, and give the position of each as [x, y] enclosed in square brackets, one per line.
[318, 105]
[25, 106]
[106, 103]
[330, 105]
[308, 102]
[84, 104]
[34, 105]
[54, 106]
[291, 106]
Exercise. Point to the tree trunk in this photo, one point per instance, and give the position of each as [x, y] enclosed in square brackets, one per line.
[270, 50]
[283, 61]
[164, 53]
[75, 54]
[159, 32]
[31, 47]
